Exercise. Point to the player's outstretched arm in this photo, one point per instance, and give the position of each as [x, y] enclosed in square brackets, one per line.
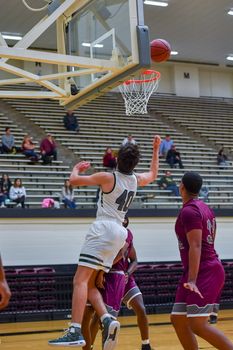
[103, 179]
[150, 176]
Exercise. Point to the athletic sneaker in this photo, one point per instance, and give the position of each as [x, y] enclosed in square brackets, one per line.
[146, 347]
[71, 337]
[110, 332]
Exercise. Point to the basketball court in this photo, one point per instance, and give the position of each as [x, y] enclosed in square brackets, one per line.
[34, 335]
[101, 45]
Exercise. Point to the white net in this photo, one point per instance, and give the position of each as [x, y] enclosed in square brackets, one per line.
[136, 92]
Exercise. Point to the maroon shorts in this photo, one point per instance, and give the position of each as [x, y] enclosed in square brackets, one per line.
[114, 291]
[210, 282]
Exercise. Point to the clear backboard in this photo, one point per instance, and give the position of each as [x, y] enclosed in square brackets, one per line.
[107, 32]
[100, 44]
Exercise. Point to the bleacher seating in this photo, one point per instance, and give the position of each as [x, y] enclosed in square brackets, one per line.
[103, 123]
[46, 292]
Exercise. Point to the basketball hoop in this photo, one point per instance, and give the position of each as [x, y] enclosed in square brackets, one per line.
[136, 92]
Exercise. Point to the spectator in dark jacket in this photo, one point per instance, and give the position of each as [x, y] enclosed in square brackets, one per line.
[48, 148]
[222, 159]
[70, 121]
[5, 185]
[173, 157]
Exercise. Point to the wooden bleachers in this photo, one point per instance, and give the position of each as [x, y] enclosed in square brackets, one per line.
[209, 118]
[103, 123]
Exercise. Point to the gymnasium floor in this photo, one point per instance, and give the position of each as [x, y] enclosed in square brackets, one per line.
[34, 335]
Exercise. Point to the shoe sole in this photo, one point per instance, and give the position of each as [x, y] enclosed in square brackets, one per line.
[77, 344]
[112, 337]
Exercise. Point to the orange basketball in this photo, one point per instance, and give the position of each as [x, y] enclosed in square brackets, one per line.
[160, 50]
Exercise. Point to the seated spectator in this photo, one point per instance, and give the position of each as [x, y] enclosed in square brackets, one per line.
[70, 121]
[8, 142]
[109, 160]
[28, 149]
[173, 157]
[129, 139]
[165, 146]
[68, 195]
[5, 185]
[204, 193]
[48, 149]
[222, 159]
[18, 193]
[167, 183]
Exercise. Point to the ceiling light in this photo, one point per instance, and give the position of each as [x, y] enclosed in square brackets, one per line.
[230, 58]
[156, 3]
[174, 53]
[230, 12]
[12, 36]
[88, 45]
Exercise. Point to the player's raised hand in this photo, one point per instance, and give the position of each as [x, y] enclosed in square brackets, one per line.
[193, 288]
[82, 166]
[156, 142]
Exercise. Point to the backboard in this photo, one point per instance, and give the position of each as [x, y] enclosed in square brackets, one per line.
[109, 31]
[100, 44]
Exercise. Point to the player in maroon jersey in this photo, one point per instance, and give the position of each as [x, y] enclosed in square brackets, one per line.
[203, 277]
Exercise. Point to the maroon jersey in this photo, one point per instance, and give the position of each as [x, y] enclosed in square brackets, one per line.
[195, 214]
[122, 265]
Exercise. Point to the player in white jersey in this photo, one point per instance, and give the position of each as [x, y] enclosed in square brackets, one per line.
[105, 238]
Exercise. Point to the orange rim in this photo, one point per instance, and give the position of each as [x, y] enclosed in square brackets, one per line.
[140, 81]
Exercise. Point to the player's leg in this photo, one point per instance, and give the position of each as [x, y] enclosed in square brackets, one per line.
[133, 300]
[212, 335]
[137, 304]
[73, 335]
[112, 295]
[184, 332]
[110, 326]
[86, 329]
[94, 327]
[179, 318]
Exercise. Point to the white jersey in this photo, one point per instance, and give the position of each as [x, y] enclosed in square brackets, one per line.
[115, 204]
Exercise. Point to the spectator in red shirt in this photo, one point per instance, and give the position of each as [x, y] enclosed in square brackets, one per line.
[109, 160]
[48, 149]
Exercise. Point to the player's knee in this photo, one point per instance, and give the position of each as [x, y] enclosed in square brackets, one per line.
[77, 281]
[142, 310]
[138, 307]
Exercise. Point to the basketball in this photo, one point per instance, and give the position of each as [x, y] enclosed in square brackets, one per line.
[160, 50]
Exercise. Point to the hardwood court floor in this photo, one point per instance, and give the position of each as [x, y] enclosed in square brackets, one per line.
[34, 335]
